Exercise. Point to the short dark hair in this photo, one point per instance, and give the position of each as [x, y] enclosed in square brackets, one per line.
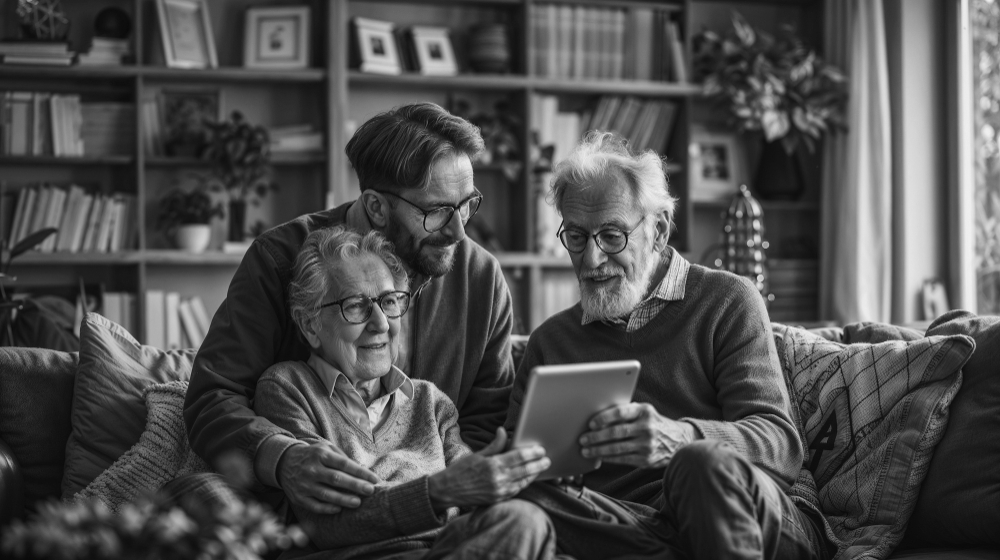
[397, 148]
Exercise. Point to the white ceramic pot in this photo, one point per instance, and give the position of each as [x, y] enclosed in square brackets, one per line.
[193, 238]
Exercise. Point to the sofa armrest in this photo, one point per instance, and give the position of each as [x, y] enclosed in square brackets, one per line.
[11, 486]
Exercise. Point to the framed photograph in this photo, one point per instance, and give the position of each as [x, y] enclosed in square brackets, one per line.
[186, 33]
[717, 165]
[935, 299]
[375, 45]
[434, 54]
[184, 113]
[276, 37]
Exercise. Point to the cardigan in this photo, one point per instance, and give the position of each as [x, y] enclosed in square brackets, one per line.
[419, 437]
[460, 341]
[708, 359]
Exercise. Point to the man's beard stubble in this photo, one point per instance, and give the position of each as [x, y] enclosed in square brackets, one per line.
[410, 251]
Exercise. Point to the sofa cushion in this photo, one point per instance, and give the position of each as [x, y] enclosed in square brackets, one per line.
[108, 411]
[959, 503]
[871, 415]
[36, 390]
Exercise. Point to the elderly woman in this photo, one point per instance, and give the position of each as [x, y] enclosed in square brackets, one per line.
[348, 295]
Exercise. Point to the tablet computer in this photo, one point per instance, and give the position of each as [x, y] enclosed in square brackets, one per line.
[561, 399]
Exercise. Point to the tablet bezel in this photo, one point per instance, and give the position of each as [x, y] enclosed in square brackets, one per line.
[549, 416]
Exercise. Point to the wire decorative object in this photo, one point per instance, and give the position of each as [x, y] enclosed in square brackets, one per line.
[744, 249]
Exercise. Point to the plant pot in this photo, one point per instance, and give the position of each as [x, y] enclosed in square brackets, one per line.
[779, 174]
[489, 51]
[193, 238]
[237, 220]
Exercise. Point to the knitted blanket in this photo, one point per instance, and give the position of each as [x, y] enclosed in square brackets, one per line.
[870, 416]
[161, 455]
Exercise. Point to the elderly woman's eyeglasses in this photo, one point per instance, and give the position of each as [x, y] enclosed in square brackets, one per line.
[437, 218]
[357, 309]
[610, 240]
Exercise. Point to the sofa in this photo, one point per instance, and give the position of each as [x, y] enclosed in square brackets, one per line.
[930, 449]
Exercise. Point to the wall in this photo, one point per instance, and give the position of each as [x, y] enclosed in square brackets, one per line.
[916, 50]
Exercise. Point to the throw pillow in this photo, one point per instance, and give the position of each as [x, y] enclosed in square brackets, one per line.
[871, 414]
[959, 503]
[36, 392]
[108, 413]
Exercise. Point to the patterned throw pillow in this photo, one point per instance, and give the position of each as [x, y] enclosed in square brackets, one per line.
[109, 413]
[871, 415]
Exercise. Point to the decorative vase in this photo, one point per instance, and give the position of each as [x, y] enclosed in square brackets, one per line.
[193, 238]
[779, 174]
[237, 219]
[743, 244]
[488, 49]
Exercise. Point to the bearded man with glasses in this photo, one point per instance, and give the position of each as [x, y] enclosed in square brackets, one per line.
[414, 165]
[705, 458]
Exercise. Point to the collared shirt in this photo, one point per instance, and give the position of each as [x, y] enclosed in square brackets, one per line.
[670, 288]
[349, 400]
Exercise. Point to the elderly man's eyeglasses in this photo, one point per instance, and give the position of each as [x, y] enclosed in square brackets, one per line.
[610, 240]
[357, 309]
[437, 218]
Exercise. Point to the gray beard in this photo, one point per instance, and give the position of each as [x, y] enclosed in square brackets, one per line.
[604, 304]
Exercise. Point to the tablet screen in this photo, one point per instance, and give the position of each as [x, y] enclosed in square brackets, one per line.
[559, 402]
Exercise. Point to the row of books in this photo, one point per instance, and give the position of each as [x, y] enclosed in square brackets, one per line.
[120, 307]
[587, 42]
[103, 51]
[295, 139]
[560, 290]
[794, 285]
[37, 123]
[87, 222]
[173, 321]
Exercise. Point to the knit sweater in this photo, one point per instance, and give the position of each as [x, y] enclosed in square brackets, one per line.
[419, 437]
[708, 359]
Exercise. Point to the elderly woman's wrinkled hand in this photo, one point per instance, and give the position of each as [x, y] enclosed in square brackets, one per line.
[487, 476]
[320, 479]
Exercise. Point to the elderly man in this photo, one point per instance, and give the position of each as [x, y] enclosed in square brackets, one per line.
[414, 164]
[704, 455]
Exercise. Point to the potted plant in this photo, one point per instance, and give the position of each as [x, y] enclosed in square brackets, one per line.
[186, 214]
[240, 154]
[772, 86]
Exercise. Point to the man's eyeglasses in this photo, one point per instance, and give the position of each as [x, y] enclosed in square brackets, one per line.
[437, 218]
[610, 240]
[357, 309]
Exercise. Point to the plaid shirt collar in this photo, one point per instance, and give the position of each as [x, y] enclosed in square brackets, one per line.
[670, 288]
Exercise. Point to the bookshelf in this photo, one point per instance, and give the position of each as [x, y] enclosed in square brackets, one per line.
[335, 97]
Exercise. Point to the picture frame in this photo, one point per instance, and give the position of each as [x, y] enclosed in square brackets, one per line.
[375, 46]
[717, 165]
[186, 33]
[276, 37]
[433, 51]
[934, 298]
[184, 112]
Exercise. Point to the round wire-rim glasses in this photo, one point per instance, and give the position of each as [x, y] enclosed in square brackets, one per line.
[608, 239]
[438, 217]
[357, 309]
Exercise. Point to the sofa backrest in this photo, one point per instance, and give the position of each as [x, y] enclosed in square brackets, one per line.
[36, 394]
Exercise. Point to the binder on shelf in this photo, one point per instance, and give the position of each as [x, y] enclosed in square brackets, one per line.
[172, 321]
[156, 318]
[189, 323]
[200, 314]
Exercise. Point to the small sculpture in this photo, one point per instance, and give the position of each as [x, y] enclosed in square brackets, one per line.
[43, 19]
[743, 244]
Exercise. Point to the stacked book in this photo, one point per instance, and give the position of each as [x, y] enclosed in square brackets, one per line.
[647, 124]
[794, 283]
[174, 322]
[120, 307]
[87, 222]
[105, 52]
[588, 42]
[36, 52]
[295, 139]
[38, 123]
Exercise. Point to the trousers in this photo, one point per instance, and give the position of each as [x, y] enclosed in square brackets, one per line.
[716, 505]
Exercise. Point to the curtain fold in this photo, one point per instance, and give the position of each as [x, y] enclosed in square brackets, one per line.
[856, 232]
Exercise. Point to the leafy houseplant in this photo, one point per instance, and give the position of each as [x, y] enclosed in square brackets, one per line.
[772, 85]
[148, 528]
[186, 214]
[240, 154]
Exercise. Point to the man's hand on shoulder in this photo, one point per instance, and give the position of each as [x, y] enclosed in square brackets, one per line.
[635, 434]
[320, 479]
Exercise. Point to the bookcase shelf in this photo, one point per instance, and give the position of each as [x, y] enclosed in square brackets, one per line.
[335, 96]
